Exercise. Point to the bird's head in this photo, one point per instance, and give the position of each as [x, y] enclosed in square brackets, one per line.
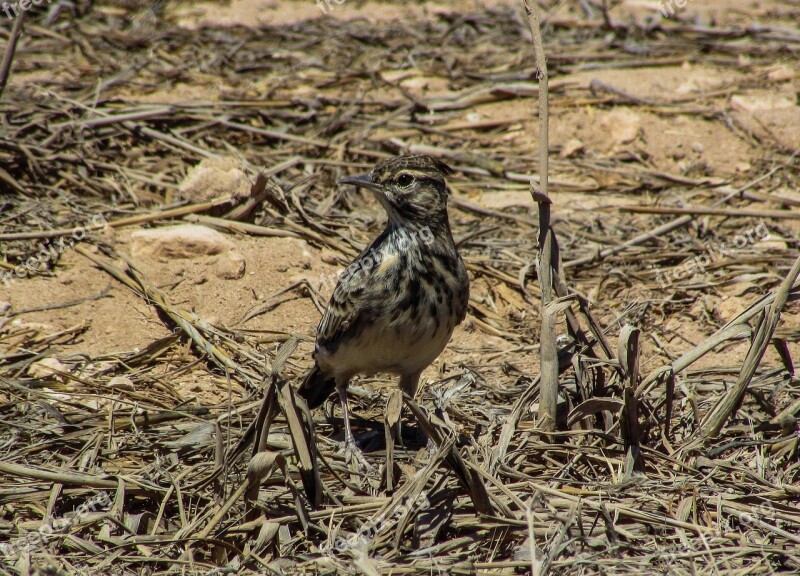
[411, 189]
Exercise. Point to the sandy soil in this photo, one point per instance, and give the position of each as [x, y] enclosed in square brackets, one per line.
[632, 125]
[697, 147]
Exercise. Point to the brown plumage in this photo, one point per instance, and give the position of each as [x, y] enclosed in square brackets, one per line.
[396, 306]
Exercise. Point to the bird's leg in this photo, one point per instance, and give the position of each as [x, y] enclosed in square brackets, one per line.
[408, 385]
[391, 424]
[349, 439]
[351, 451]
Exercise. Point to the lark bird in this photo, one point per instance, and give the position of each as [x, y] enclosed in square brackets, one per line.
[396, 306]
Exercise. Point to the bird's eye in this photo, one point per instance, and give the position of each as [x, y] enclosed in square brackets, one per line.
[405, 180]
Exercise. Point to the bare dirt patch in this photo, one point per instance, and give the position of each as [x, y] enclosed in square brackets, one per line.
[162, 362]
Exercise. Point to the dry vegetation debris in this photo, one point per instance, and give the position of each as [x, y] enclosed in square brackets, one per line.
[700, 476]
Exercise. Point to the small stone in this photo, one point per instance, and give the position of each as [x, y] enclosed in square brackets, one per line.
[623, 125]
[4, 307]
[230, 266]
[47, 367]
[185, 241]
[329, 257]
[214, 178]
[687, 87]
[571, 148]
[33, 326]
[758, 102]
[697, 147]
[70, 277]
[780, 73]
[122, 383]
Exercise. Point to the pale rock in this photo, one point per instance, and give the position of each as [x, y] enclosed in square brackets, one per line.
[18, 324]
[641, 11]
[4, 307]
[417, 82]
[571, 148]
[122, 383]
[623, 125]
[694, 84]
[46, 367]
[230, 266]
[185, 241]
[329, 256]
[770, 246]
[687, 87]
[214, 178]
[760, 102]
[70, 277]
[780, 73]
[697, 147]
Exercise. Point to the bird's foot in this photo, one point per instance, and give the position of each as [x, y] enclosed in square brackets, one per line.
[429, 452]
[431, 447]
[354, 458]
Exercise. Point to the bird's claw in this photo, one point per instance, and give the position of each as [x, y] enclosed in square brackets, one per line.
[431, 447]
[354, 457]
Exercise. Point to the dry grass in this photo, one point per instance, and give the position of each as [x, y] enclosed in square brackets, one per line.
[662, 462]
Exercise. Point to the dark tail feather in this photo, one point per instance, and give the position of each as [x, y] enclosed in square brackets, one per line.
[316, 387]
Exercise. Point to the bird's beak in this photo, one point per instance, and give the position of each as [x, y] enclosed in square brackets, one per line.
[362, 181]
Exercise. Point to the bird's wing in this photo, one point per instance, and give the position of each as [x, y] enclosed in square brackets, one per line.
[349, 311]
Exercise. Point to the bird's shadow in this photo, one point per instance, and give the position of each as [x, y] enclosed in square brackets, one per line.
[370, 434]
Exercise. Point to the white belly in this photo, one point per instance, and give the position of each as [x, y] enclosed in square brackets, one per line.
[377, 349]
